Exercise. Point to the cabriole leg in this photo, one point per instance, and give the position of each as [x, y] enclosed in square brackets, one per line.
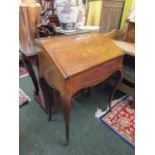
[67, 104]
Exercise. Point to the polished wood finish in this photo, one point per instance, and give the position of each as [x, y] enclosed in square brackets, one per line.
[71, 63]
[119, 39]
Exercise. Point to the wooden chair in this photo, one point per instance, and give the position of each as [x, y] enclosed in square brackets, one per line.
[127, 36]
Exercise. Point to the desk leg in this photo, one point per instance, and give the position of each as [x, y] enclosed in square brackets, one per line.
[48, 96]
[119, 79]
[32, 74]
[67, 103]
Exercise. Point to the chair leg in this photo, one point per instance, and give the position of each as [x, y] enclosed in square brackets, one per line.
[119, 79]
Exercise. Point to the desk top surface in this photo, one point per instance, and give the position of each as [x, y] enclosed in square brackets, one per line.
[74, 54]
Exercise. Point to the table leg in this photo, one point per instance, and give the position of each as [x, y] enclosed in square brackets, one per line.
[67, 103]
[48, 96]
[32, 74]
[119, 79]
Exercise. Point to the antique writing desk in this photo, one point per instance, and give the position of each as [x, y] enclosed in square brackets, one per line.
[70, 63]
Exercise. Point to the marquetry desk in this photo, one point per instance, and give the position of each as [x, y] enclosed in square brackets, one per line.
[71, 63]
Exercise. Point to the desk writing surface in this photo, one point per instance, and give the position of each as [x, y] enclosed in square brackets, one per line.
[74, 54]
[58, 41]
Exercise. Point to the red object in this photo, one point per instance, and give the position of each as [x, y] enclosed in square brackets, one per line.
[122, 121]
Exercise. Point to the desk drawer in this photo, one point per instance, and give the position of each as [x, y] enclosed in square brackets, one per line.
[94, 75]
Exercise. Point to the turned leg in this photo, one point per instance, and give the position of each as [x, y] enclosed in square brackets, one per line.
[32, 74]
[48, 96]
[118, 80]
[67, 103]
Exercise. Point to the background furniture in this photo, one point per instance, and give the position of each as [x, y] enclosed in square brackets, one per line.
[129, 35]
[111, 15]
[126, 41]
[47, 6]
[29, 17]
[86, 65]
[128, 83]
